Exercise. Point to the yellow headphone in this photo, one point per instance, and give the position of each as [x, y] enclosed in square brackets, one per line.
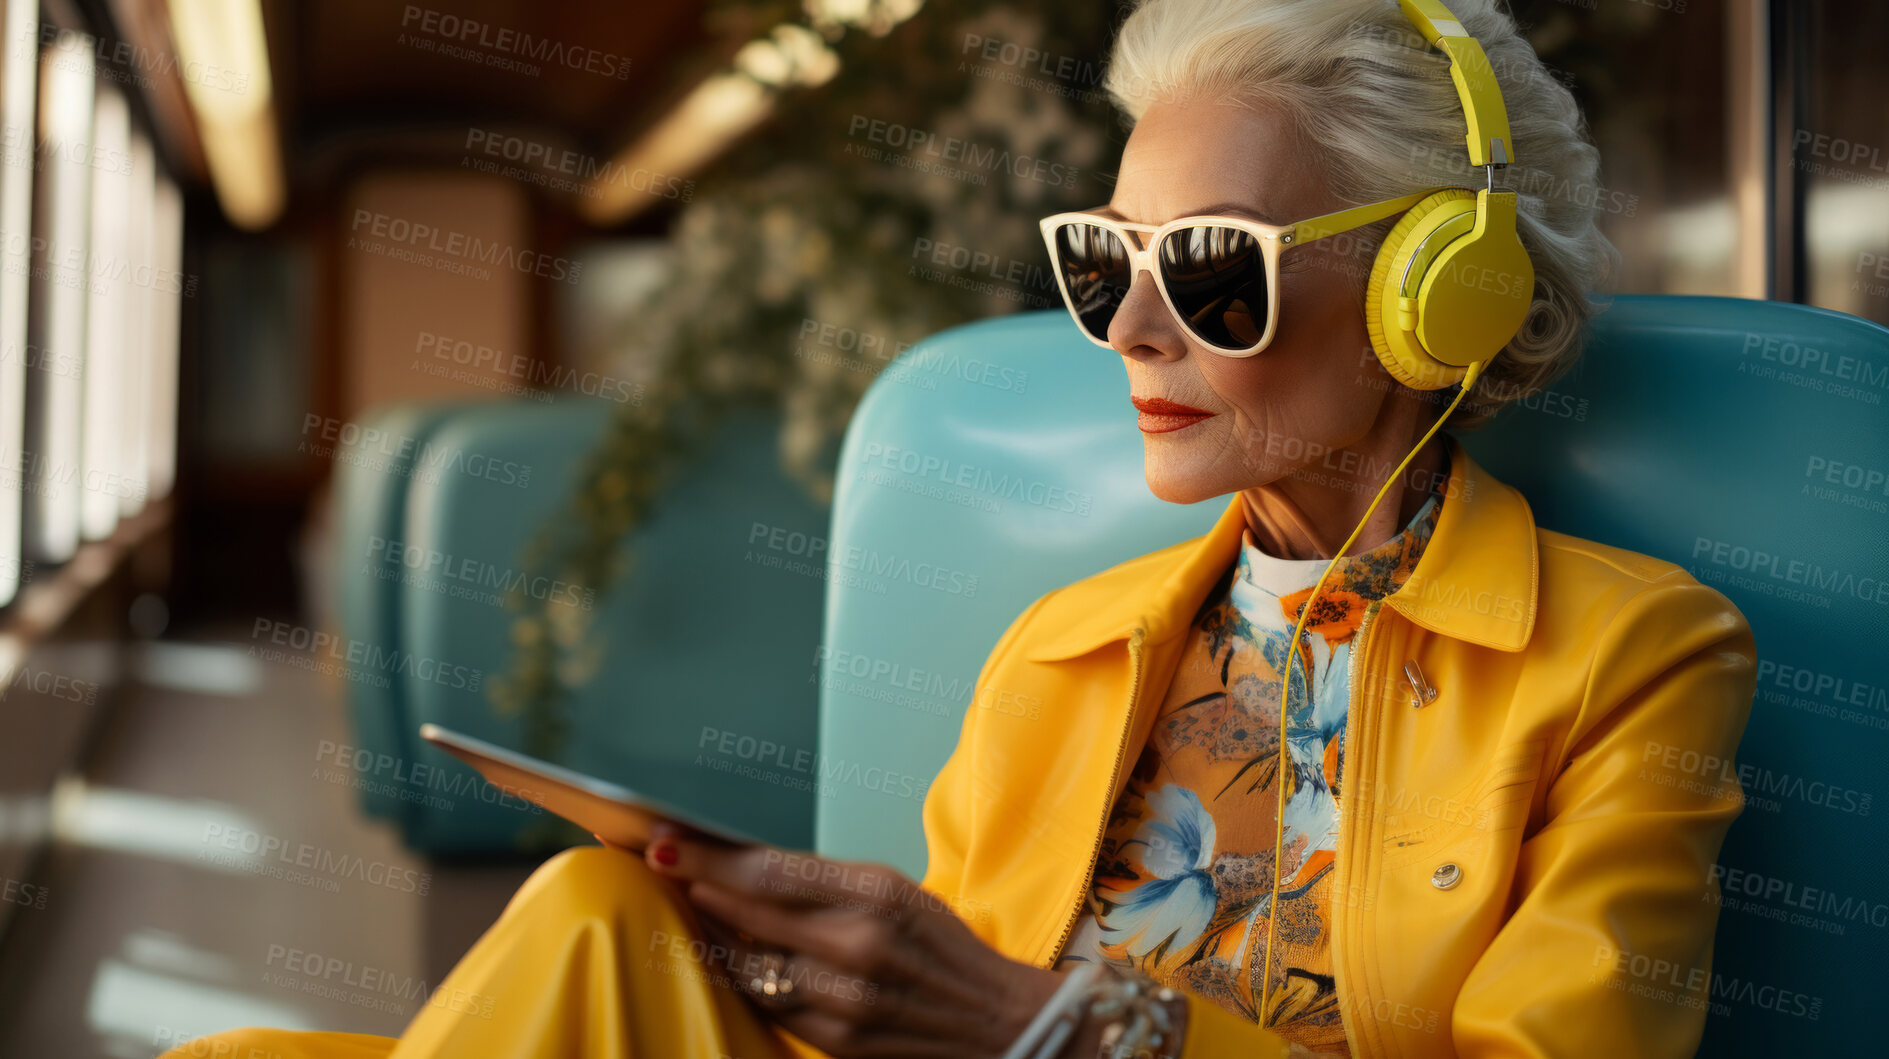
[1451, 284]
[1463, 286]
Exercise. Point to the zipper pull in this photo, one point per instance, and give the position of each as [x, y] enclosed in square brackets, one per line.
[1421, 693]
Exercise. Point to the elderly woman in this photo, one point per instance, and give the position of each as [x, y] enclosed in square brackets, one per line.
[1425, 815]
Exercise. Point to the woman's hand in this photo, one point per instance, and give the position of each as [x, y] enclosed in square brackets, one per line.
[877, 966]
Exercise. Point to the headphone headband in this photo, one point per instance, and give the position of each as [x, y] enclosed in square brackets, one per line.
[1487, 116]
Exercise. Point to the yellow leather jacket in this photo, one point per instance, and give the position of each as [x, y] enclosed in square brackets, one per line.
[1524, 861]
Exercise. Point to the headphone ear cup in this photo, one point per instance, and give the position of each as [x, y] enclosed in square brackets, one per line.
[1397, 346]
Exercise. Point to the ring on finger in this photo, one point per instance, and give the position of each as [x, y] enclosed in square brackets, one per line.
[774, 983]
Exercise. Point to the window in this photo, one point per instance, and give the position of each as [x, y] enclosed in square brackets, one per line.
[90, 288]
[17, 90]
[58, 317]
[111, 363]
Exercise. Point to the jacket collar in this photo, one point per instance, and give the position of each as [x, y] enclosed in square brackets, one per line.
[1475, 582]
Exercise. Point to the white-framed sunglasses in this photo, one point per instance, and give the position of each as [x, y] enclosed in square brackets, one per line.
[1218, 273]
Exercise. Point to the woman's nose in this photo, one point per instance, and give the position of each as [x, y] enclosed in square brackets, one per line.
[1143, 327]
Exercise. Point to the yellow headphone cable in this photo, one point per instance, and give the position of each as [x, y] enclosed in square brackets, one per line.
[1292, 652]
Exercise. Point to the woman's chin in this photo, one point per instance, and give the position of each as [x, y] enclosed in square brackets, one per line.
[1179, 488]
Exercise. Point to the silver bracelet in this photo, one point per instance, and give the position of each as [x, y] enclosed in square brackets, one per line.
[1137, 1008]
[1056, 1022]
[1132, 1002]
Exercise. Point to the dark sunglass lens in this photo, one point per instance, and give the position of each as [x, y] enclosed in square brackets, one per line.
[1217, 279]
[1094, 268]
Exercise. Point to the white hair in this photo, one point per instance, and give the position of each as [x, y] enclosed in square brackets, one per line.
[1360, 80]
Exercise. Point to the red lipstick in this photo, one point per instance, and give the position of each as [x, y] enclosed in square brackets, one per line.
[1158, 415]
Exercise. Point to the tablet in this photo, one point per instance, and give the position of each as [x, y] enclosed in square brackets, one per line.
[608, 810]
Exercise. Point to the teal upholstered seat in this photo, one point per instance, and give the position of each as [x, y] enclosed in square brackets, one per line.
[1744, 440]
[371, 501]
[703, 655]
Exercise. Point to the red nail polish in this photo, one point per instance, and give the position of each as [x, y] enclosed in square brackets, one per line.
[666, 855]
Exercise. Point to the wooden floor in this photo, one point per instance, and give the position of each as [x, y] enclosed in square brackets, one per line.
[168, 911]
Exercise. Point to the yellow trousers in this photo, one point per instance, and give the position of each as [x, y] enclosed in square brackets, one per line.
[594, 956]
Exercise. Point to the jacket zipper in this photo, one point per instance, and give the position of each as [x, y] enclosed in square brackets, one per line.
[1348, 817]
[1135, 640]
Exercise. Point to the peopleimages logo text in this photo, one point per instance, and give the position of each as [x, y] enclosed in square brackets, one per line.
[978, 479]
[367, 657]
[1760, 563]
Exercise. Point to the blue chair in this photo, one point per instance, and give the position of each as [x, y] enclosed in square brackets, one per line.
[701, 661]
[1710, 432]
[371, 481]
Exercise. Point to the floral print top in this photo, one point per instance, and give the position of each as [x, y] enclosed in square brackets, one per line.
[1183, 883]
